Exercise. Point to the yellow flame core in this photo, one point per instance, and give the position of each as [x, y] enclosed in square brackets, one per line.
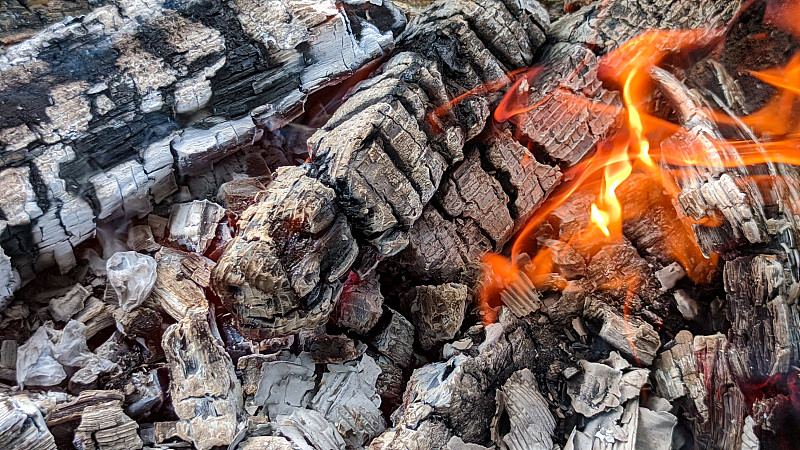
[600, 219]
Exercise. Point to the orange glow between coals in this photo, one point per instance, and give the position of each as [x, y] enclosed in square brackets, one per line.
[631, 174]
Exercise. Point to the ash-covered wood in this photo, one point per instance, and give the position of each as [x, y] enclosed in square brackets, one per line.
[205, 391]
[106, 426]
[437, 312]
[281, 273]
[22, 425]
[460, 391]
[530, 422]
[765, 326]
[99, 109]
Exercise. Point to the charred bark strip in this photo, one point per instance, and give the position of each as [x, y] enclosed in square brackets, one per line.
[98, 112]
[382, 156]
[764, 317]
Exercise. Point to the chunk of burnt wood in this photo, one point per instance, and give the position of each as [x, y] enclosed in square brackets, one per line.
[522, 411]
[393, 337]
[572, 111]
[72, 410]
[348, 400]
[141, 239]
[442, 250]
[379, 197]
[361, 304]
[65, 307]
[526, 181]
[676, 375]
[197, 268]
[237, 195]
[206, 394]
[459, 391]
[174, 292]
[390, 382]
[280, 274]
[193, 225]
[765, 326]
[145, 393]
[429, 434]
[437, 312]
[327, 349]
[471, 194]
[144, 323]
[106, 426]
[630, 335]
[22, 425]
[96, 315]
[112, 125]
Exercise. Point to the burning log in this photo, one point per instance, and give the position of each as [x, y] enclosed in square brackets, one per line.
[99, 142]
[375, 156]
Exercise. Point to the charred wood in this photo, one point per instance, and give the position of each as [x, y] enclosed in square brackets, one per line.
[206, 394]
[385, 150]
[157, 88]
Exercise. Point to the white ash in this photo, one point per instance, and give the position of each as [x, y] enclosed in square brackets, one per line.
[669, 275]
[687, 306]
[132, 275]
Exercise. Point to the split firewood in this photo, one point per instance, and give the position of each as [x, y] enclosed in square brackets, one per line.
[197, 81]
[206, 394]
[381, 154]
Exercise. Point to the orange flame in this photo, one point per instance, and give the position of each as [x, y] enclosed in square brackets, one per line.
[633, 162]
